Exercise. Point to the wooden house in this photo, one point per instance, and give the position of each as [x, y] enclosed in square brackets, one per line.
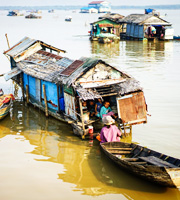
[105, 28]
[58, 85]
[140, 26]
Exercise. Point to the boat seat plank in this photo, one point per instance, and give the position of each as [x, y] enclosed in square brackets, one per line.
[119, 152]
[113, 148]
[131, 159]
[158, 162]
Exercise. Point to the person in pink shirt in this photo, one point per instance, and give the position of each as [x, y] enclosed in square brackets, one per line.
[109, 133]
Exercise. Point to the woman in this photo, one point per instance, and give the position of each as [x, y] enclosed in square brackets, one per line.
[109, 133]
[106, 110]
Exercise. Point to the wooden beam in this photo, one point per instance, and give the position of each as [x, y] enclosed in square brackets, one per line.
[27, 94]
[82, 117]
[22, 86]
[7, 40]
[45, 100]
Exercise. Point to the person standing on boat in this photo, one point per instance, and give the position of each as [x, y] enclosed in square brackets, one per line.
[110, 132]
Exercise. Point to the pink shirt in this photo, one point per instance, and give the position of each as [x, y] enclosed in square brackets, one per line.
[110, 134]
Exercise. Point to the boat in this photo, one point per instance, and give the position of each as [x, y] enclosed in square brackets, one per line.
[68, 19]
[146, 163]
[32, 16]
[176, 37]
[5, 104]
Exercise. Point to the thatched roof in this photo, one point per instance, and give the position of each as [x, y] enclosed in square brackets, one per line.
[144, 19]
[112, 16]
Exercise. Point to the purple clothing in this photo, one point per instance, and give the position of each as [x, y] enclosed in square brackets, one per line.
[110, 134]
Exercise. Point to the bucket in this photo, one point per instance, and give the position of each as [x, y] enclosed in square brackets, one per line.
[90, 129]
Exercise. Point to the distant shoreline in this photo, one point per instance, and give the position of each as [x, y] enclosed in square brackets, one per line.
[73, 7]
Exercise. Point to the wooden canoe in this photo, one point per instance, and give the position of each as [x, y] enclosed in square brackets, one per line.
[4, 109]
[144, 162]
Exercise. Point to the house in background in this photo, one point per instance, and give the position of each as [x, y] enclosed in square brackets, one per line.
[141, 26]
[105, 30]
[88, 10]
[99, 6]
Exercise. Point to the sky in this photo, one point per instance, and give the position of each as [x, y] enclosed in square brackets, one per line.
[84, 2]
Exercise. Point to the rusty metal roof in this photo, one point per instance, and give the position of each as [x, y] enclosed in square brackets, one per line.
[71, 68]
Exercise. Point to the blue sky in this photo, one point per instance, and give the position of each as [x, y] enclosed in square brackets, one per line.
[84, 2]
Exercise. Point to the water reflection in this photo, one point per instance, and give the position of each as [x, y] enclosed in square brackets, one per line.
[85, 167]
[133, 51]
[105, 50]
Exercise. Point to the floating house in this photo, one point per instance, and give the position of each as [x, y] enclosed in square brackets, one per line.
[104, 29]
[97, 6]
[58, 85]
[141, 26]
[88, 10]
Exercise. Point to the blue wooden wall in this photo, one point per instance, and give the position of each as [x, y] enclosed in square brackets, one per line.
[36, 91]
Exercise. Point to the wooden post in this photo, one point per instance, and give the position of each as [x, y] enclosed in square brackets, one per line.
[22, 87]
[45, 100]
[7, 40]
[27, 94]
[82, 117]
[58, 98]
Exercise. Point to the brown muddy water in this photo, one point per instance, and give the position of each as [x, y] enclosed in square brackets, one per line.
[40, 158]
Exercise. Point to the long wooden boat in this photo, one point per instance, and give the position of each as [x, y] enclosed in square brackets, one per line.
[4, 109]
[146, 163]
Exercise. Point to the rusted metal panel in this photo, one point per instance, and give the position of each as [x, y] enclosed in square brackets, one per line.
[69, 70]
[70, 108]
[132, 108]
[12, 73]
[43, 58]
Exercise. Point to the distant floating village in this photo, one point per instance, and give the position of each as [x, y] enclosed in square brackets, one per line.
[148, 26]
[97, 7]
[113, 27]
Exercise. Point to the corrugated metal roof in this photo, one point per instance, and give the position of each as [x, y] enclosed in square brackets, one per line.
[71, 68]
[20, 46]
[26, 43]
[95, 2]
[65, 62]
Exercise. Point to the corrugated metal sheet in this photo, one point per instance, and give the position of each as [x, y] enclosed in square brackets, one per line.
[65, 62]
[69, 70]
[20, 46]
[12, 73]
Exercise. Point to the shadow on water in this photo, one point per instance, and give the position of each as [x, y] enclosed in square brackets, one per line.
[84, 166]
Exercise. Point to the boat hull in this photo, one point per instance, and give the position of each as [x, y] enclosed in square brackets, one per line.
[169, 177]
[5, 111]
